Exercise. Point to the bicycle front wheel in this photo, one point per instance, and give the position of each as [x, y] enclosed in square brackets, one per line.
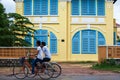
[47, 73]
[20, 72]
[56, 70]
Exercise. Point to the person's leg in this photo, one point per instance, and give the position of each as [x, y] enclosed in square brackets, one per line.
[33, 65]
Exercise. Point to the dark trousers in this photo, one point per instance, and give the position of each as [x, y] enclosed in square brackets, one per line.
[46, 59]
[34, 63]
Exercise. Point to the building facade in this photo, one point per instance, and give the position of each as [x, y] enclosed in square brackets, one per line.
[72, 29]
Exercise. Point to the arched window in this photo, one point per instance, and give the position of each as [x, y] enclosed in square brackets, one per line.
[53, 43]
[76, 43]
[41, 35]
[101, 39]
[28, 39]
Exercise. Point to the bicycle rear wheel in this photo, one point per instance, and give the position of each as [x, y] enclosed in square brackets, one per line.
[47, 73]
[56, 70]
[20, 72]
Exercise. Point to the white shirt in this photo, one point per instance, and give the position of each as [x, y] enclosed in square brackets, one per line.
[39, 56]
[46, 52]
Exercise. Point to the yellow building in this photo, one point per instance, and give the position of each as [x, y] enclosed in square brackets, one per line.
[72, 29]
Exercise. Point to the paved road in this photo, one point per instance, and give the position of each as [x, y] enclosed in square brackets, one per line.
[70, 72]
[70, 77]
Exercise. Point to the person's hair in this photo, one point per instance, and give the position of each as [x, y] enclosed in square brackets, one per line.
[43, 43]
[38, 43]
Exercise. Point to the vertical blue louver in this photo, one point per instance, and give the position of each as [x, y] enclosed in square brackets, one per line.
[88, 7]
[76, 43]
[101, 39]
[44, 7]
[101, 7]
[27, 7]
[41, 35]
[84, 7]
[36, 7]
[88, 42]
[75, 7]
[53, 43]
[40, 7]
[28, 38]
[92, 7]
[53, 7]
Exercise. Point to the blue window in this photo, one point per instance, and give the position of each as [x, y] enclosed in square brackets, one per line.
[88, 42]
[27, 7]
[40, 7]
[37, 9]
[53, 7]
[41, 35]
[44, 7]
[53, 43]
[76, 43]
[101, 39]
[101, 7]
[88, 7]
[75, 7]
[28, 38]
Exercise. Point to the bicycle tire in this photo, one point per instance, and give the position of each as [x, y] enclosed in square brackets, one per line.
[57, 70]
[19, 73]
[30, 75]
[47, 73]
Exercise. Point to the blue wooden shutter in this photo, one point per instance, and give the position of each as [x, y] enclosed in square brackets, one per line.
[92, 7]
[53, 43]
[37, 7]
[84, 5]
[88, 42]
[41, 35]
[85, 42]
[75, 7]
[27, 7]
[88, 7]
[101, 39]
[114, 38]
[44, 7]
[101, 7]
[92, 42]
[28, 38]
[53, 7]
[76, 43]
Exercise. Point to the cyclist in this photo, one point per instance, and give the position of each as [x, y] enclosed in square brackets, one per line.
[46, 52]
[39, 56]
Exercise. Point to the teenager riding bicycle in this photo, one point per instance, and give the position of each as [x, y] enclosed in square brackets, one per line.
[46, 52]
[39, 56]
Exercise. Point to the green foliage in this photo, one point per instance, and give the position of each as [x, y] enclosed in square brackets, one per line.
[118, 40]
[109, 64]
[13, 29]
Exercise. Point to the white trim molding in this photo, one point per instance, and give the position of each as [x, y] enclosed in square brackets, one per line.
[18, 0]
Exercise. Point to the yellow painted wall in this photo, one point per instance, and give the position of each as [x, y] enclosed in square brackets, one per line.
[64, 28]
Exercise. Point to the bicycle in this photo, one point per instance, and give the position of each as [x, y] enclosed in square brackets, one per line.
[24, 70]
[57, 70]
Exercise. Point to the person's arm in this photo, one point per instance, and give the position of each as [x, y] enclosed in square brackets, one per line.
[37, 51]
